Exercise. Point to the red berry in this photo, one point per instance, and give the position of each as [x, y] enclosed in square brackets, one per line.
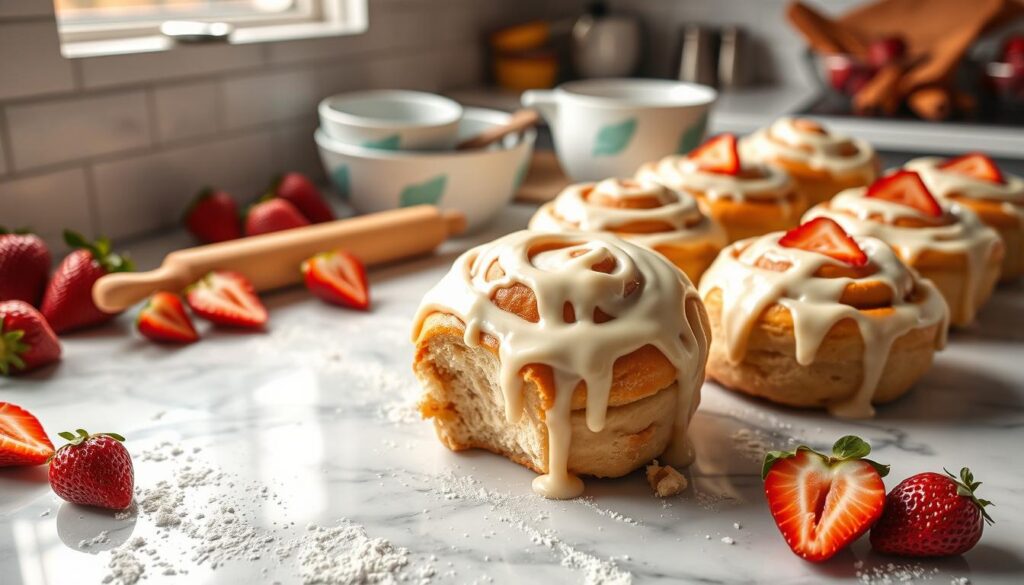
[22, 439]
[67, 303]
[93, 470]
[931, 515]
[24, 267]
[273, 215]
[296, 189]
[26, 340]
[825, 236]
[213, 217]
[886, 51]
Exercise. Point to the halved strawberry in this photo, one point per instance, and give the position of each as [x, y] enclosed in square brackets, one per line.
[906, 188]
[718, 155]
[822, 503]
[825, 236]
[226, 298]
[337, 277]
[974, 164]
[22, 439]
[163, 318]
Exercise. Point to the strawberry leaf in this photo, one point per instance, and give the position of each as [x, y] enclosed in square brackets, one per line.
[966, 487]
[851, 447]
[848, 448]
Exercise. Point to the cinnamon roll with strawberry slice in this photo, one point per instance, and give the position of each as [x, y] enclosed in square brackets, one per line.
[746, 197]
[643, 212]
[571, 354]
[821, 163]
[975, 181]
[945, 242]
[814, 317]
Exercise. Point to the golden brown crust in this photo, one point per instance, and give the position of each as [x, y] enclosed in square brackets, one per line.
[819, 185]
[753, 216]
[994, 214]
[769, 368]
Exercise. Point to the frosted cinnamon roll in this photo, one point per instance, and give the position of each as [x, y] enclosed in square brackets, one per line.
[815, 318]
[643, 212]
[974, 181]
[571, 354]
[945, 242]
[821, 163]
[746, 197]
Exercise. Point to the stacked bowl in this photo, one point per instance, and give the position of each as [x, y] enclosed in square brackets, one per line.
[388, 148]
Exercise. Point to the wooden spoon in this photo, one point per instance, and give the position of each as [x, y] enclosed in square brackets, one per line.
[520, 121]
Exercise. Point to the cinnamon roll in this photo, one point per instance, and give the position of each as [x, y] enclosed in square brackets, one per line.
[643, 212]
[746, 197]
[571, 354]
[820, 162]
[816, 318]
[974, 181]
[945, 242]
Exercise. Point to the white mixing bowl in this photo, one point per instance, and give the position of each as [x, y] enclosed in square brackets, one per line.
[476, 182]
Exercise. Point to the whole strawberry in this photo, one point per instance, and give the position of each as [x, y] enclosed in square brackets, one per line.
[26, 340]
[213, 217]
[931, 515]
[93, 470]
[273, 215]
[24, 267]
[296, 189]
[67, 303]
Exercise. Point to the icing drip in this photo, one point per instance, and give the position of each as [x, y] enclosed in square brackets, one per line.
[965, 235]
[944, 183]
[747, 290]
[650, 313]
[786, 139]
[755, 181]
[575, 208]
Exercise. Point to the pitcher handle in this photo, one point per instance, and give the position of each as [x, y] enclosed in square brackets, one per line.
[542, 100]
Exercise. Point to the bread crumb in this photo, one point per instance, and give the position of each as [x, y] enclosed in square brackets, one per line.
[665, 480]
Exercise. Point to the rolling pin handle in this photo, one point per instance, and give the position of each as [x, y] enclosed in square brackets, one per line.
[117, 291]
[455, 221]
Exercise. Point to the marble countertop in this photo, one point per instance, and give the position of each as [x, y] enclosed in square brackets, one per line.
[296, 456]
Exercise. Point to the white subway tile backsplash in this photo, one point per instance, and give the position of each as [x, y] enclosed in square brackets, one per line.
[145, 193]
[47, 204]
[3, 156]
[178, 62]
[69, 129]
[25, 8]
[269, 97]
[30, 60]
[187, 110]
[295, 150]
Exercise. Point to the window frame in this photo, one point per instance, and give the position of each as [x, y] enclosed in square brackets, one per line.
[316, 18]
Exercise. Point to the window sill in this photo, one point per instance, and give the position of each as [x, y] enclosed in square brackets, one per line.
[241, 36]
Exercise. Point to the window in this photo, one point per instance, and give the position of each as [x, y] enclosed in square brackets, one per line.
[85, 21]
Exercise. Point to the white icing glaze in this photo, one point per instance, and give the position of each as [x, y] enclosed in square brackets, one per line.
[943, 183]
[574, 209]
[747, 290]
[681, 173]
[586, 351]
[784, 139]
[965, 235]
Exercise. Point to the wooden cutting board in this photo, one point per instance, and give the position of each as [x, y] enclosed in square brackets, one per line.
[544, 179]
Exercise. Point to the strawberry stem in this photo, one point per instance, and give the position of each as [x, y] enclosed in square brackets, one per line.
[11, 348]
[101, 252]
[966, 487]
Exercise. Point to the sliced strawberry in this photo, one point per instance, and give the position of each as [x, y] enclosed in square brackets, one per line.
[906, 188]
[163, 318]
[825, 236]
[22, 439]
[227, 298]
[337, 277]
[974, 165]
[822, 503]
[718, 155]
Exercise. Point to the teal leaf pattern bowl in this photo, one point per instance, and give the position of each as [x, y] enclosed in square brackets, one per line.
[693, 136]
[614, 138]
[428, 192]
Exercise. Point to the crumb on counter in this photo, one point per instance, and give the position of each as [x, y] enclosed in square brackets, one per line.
[665, 480]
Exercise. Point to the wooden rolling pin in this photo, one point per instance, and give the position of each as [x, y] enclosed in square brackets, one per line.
[272, 260]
